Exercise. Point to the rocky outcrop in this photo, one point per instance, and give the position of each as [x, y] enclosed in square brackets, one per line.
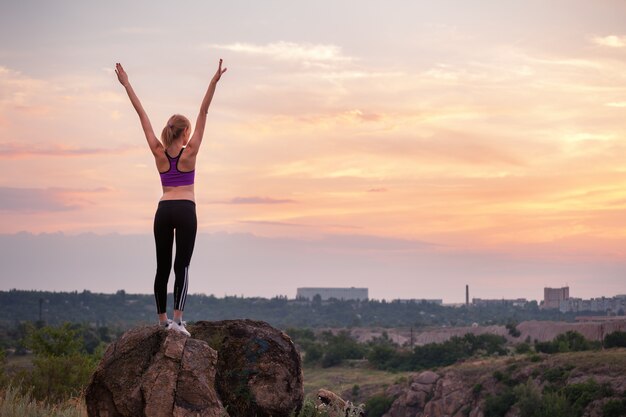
[152, 372]
[462, 390]
[234, 367]
[431, 394]
[259, 372]
[332, 405]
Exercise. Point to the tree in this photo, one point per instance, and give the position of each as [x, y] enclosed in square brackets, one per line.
[61, 367]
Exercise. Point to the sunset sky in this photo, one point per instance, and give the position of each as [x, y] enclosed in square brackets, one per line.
[451, 142]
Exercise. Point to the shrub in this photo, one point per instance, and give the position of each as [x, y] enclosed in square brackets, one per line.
[313, 353]
[528, 399]
[615, 339]
[381, 356]
[555, 405]
[61, 366]
[512, 328]
[614, 408]
[499, 405]
[523, 348]
[555, 375]
[378, 405]
[567, 342]
[580, 395]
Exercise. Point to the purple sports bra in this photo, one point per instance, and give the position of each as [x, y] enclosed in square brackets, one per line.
[173, 177]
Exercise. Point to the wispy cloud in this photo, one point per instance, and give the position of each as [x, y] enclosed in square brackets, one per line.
[14, 150]
[612, 41]
[272, 223]
[255, 200]
[43, 199]
[291, 51]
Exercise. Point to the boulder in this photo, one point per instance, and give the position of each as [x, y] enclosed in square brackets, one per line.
[259, 372]
[332, 405]
[152, 372]
[412, 401]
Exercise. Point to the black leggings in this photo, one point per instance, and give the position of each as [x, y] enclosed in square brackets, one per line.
[179, 215]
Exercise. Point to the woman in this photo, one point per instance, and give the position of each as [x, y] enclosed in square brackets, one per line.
[177, 207]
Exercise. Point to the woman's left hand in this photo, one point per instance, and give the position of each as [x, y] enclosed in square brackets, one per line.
[219, 72]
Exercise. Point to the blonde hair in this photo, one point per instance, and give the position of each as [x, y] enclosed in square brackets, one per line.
[175, 127]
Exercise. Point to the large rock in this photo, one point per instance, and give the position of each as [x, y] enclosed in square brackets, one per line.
[412, 400]
[259, 371]
[330, 404]
[152, 372]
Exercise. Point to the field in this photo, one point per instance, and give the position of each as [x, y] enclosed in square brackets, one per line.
[343, 379]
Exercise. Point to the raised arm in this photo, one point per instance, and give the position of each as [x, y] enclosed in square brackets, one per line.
[153, 142]
[196, 139]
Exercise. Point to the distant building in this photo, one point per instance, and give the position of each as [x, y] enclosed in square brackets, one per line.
[552, 297]
[615, 305]
[601, 319]
[481, 302]
[350, 293]
[436, 301]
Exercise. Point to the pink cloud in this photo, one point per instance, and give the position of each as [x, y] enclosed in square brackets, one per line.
[43, 199]
[13, 150]
[255, 200]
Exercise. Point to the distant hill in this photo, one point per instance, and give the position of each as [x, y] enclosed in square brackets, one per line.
[124, 310]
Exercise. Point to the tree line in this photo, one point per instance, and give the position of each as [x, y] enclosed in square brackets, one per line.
[123, 310]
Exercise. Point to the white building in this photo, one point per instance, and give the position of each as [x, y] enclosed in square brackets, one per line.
[603, 304]
[350, 293]
[437, 301]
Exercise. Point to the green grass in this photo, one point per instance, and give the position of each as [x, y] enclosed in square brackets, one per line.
[342, 379]
[16, 362]
[13, 404]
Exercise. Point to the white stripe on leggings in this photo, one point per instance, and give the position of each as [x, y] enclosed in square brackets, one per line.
[183, 296]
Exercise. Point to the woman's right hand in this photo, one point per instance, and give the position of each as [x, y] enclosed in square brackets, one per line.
[121, 74]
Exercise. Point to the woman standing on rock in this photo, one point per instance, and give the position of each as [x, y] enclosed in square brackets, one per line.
[177, 207]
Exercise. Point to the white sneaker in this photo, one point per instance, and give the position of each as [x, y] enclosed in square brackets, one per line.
[179, 327]
[167, 324]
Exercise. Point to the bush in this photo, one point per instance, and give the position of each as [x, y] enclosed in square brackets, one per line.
[381, 356]
[568, 342]
[61, 366]
[512, 328]
[499, 405]
[338, 347]
[555, 405]
[308, 409]
[614, 408]
[615, 339]
[580, 395]
[313, 353]
[378, 405]
[556, 374]
[523, 348]
[528, 399]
